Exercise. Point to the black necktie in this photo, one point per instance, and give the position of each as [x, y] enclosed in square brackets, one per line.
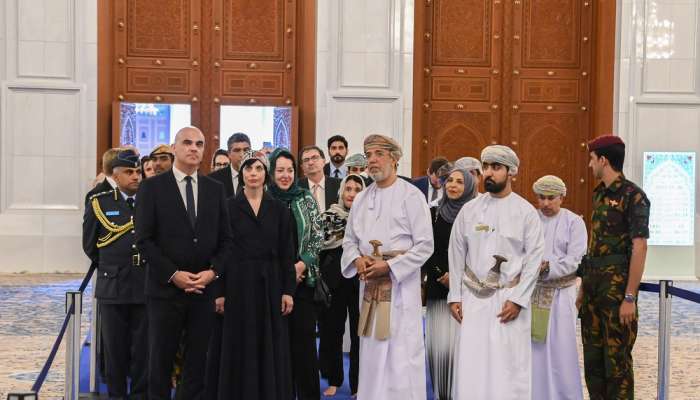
[189, 194]
[337, 173]
[130, 202]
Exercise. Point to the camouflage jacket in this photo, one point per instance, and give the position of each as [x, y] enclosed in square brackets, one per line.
[620, 214]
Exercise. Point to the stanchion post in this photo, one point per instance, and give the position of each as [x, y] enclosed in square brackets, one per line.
[94, 341]
[664, 340]
[72, 386]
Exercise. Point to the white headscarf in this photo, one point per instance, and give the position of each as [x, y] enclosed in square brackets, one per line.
[503, 155]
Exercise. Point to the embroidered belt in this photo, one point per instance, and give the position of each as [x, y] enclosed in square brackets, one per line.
[376, 300]
[486, 288]
[542, 299]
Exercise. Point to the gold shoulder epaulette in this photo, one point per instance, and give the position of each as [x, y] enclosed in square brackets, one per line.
[101, 194]
[114, 231]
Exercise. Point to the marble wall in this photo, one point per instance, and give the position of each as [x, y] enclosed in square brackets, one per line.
[658, 100]
[364, 72]
[48, 90]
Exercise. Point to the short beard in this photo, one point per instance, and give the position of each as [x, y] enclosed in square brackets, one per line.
[493, 187]
[338, 159]
[382, 174]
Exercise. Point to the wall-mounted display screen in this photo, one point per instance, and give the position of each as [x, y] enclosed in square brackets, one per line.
[669, 182]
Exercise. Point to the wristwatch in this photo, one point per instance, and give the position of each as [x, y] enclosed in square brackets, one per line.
[630, 298]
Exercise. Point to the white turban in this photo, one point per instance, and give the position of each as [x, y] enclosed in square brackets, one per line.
[503, 155]
[384, 142]
[469, 164]
[549, 185]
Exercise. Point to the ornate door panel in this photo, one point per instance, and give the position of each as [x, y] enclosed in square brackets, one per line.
[207, 53]
[157, 48]
[547, 144]
[461, 77]
[515, 72]
[253, 51]
[550, 93]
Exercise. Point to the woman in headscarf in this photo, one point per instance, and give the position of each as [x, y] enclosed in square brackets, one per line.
[441, 329]
[258, 288]
[308, 238]
[344, 292]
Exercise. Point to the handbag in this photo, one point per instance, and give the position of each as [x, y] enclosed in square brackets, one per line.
[322, 295]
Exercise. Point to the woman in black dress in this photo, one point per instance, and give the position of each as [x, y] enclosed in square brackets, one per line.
[259, 284]
[441, 330]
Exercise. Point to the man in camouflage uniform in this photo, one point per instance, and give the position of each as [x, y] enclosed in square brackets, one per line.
[109, 240]
[611, 273]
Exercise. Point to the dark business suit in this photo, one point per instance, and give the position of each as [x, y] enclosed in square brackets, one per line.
[331, 189]
[422, 184]
[170, 243]
[225, 176]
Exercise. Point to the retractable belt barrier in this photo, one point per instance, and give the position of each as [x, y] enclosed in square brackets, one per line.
[71, 324]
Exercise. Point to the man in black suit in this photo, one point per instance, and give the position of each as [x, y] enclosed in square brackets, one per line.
[337, 151]
[237, 145]
[183, 233]
[430, 184]
[109, 241]
[323, 188]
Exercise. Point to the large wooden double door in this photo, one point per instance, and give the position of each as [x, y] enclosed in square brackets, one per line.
[208, 54]
[512, 72]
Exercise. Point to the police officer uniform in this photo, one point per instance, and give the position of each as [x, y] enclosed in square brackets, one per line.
[110, 241]
[620, 214]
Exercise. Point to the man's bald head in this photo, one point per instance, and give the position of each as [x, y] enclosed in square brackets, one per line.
[188, 129]
[188, 149]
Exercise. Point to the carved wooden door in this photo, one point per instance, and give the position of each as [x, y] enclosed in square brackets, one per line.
[550, 92]
[209, 53]
[462, 78]
[514, 72]
[157, 49]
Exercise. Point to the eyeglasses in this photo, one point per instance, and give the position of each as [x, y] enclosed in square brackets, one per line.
[310, 159]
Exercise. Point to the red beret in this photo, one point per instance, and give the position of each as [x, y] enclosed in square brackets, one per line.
[604, 141]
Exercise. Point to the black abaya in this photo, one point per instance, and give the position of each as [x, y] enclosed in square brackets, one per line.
[255, 360]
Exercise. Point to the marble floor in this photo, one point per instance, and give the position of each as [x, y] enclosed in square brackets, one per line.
[32, 309]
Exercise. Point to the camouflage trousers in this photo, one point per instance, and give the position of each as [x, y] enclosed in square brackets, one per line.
[607, 344]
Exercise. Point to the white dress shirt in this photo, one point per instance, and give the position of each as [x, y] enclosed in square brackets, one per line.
[342, 171]
[318, 190]
[182, 185]
[234, 178]
[126, 196]
[432, 190]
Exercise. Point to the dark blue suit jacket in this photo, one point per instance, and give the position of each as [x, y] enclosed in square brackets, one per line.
[422, 183]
